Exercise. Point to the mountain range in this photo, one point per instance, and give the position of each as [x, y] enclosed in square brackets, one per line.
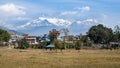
[43, 25]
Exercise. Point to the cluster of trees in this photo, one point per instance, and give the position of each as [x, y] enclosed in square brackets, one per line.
[101, 34]
[23, 44]
[97, 34]
[116, 34]
[62, 44]
[4, 36]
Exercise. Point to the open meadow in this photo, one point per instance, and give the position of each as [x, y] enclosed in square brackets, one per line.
[36, 58]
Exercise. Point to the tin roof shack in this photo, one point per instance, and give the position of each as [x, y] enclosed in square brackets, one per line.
[51, 46]
[114, 45]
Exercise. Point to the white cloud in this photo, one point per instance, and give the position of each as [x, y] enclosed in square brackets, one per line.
[22, 18]
[88, 21]
[5, 24]
[69, 13]
[78, 10]
[12, 9]
[79, 22]
[83, 9]
[86, 8]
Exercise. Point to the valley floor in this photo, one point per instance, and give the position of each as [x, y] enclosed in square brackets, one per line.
[36, 58]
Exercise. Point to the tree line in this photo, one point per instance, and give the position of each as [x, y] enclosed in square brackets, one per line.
[101, 34]
[4, 36]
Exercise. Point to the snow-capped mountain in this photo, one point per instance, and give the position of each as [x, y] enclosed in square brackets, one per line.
[42, 21]
[43, 25]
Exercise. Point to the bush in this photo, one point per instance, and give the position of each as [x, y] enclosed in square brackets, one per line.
[23, 44]
[78, 45]
[1, 44]
[35, 46]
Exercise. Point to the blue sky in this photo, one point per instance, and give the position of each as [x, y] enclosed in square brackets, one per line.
[14, 13]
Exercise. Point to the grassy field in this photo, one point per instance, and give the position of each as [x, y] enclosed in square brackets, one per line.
[35, 58]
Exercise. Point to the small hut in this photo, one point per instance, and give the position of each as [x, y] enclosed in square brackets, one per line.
[51, 46]
[114, 45]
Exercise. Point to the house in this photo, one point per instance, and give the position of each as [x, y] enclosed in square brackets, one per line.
[14, 38]
[31, 40]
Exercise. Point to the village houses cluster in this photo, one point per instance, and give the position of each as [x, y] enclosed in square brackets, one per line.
[37, 39]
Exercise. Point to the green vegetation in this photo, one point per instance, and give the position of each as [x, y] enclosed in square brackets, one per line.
[86, 41]
[4, 36]
[53, 34]
[23, 44]
[116, 36]
[65, 31]
[59, 45]
[100, 34]
[78, 45]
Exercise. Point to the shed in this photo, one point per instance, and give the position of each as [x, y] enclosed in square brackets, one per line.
[51, 46]
[114, 44]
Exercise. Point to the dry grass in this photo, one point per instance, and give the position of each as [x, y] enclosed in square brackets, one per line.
[31, 58]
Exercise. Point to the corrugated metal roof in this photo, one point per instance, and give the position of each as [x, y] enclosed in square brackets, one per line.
[50, 46]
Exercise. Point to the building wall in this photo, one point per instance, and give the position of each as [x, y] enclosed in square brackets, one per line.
[31, 40]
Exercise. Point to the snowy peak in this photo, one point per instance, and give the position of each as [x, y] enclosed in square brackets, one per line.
[56, 21]
[42, 21]
[44, 24]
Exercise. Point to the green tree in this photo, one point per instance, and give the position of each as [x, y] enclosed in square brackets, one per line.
[59, 45]
[43, 44]
[100, 34]
[86, 41]
[78, 45]
[56, 43]
[4, 36]
[53, 34]
[116, 36]
[23, 44]
[65, 31]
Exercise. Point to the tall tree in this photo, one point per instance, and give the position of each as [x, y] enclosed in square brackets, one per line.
[78, 45]
[116, 37]
[53, 34]
[4, 35]
[23, 44]
[59, 45]
[100, 34]
[65, 31]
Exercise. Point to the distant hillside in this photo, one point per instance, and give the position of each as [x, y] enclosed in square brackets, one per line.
[11, 31]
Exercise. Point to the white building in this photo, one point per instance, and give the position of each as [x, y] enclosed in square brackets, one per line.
[32, 40]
